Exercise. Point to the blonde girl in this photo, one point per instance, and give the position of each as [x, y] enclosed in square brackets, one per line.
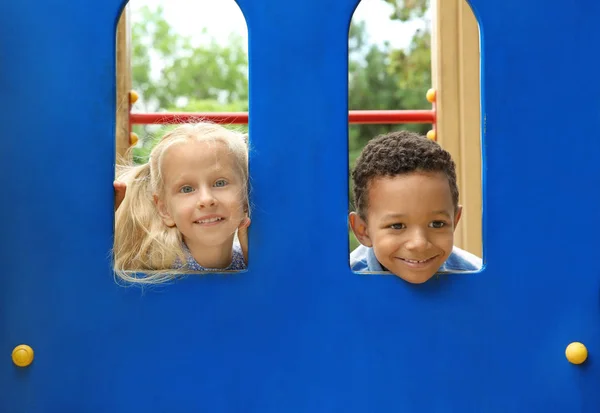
[181, 210]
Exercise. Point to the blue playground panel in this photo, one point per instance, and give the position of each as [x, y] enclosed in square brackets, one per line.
[292, 334]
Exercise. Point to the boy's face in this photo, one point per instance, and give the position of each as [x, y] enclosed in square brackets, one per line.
[410, 223]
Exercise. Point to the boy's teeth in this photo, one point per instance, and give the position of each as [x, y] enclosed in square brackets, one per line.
[417, 262]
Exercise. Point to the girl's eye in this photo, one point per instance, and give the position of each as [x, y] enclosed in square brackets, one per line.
[186, 189]
[397, 226]
[220, 183]
[437, 224]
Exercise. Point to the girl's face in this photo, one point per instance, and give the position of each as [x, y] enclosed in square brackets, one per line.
[203, 194]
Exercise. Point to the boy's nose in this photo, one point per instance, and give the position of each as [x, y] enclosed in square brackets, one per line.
[417, 242]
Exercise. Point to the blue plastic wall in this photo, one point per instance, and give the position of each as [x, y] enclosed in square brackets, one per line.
[299, 332]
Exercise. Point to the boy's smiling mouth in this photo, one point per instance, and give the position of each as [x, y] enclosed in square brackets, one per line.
[417, 263]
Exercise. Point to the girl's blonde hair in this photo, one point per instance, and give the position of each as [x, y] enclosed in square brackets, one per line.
[142, 241]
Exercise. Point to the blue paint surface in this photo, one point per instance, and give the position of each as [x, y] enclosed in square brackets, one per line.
[297, 335]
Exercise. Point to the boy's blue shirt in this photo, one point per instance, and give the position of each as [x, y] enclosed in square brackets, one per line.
[364, 259]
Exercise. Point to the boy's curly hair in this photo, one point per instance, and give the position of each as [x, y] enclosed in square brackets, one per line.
[399, 153]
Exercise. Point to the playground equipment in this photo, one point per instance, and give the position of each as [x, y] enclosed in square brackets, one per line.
[298, 331]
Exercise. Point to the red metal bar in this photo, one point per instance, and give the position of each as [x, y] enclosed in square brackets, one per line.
[391, 116]
[235, 118]
[241, 118]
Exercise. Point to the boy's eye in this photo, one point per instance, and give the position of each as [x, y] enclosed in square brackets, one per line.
[437, 224]
[397, 226]
[220, 182]
[186, 189]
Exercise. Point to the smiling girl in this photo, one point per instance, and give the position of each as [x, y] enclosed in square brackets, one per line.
[183, 208]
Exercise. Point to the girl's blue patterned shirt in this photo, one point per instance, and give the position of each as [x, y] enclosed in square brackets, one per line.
[237, 262]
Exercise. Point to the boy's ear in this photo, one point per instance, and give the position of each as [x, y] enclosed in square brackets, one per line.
[457, 215]
[163, 212]
[359, 227]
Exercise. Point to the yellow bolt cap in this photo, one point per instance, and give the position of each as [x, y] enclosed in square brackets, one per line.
[576, 353]
[133, 139]
[22, 355]
[133, 96]
[431, 95]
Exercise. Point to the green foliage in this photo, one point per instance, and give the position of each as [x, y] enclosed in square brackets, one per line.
[209, 71]
[383, 78]
[207, 78]
[405, 10]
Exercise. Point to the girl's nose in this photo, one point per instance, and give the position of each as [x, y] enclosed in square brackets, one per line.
[206, 199]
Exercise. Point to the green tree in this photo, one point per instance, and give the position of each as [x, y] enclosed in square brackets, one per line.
[209, 77]
[209, 71]
[413, 65]
[405, 10]
[383, 78]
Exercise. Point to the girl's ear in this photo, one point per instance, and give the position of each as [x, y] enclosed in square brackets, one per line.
[163, 211]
